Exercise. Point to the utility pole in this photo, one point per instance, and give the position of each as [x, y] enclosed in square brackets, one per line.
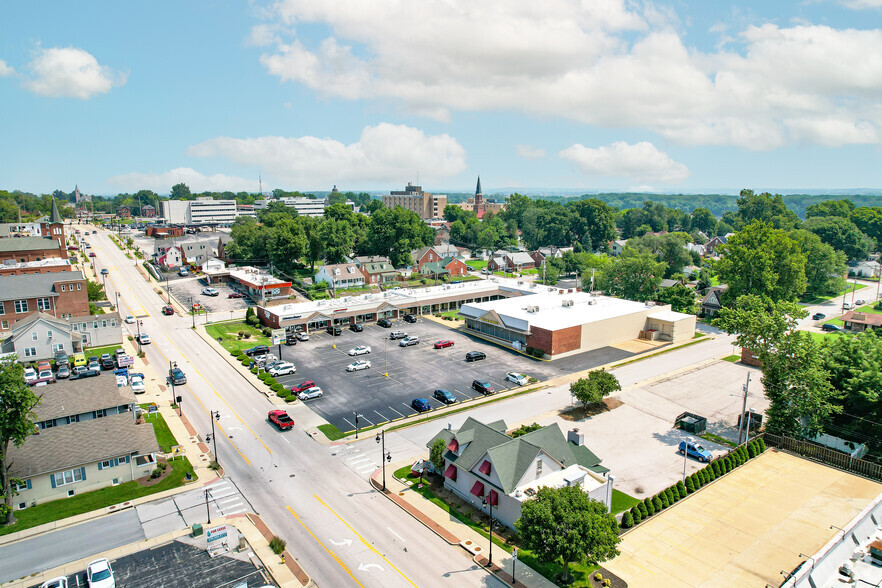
[743, 408]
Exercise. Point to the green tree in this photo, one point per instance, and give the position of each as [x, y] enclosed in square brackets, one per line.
[95, 291]
[759, 259]
[436, 455]
[564, 524]
[826, 268]
[286, 244]
[841, 234]
[633, 275]
[337, 237]
[593, 389]
[373, 206]
[180, 192]
[766, 208]
[681, 298]
[596, 221]
[869, 221]
[703, 220]
[842, 208]
[17, 418]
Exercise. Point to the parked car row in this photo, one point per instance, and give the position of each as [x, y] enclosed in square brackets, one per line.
[42, 373]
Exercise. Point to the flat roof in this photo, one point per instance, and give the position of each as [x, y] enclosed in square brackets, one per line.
[550, 311]
[746, 527]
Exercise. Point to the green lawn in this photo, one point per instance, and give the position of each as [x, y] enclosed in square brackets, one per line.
[869, 310]
[505, 274]
[163, 434]
[477, 264]
[230, 338]
[622, 501]
[820, 337]
[581, 573]
[97, 499]
[331, 432]
[733, 358]
[450, 313]
[111, 349]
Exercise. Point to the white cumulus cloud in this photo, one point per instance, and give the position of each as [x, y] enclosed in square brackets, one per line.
[528, 152]
[5, 69]
[70, 72]
[610, 63]
[861, 4]
[640, 162]
[384, 153]
[196, 181]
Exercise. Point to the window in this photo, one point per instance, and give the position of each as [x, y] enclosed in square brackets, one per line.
[538, 467]
[30, 352]
[22, 487]
[2, 308]
[79, 286]
[97, 414]
[34, 336]
[43, 304]
[49, 334]
[4, 324]
[107, 463]
[74, 418]
[104, 324]
[21, 306]
[68, 477]
[85, 326]
[62, 287]
[75, 326]
[58, 347]
[112, 322]
[94, 324]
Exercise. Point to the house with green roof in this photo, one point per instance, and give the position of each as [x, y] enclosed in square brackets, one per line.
[378, 272]
[451, 265]
[483, 464]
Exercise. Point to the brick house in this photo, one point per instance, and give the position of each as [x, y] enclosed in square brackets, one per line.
[148, 211]
[451, 266]
[62, 295]
[378, 272]
[124, 212]
[433, 254]
[511, 262]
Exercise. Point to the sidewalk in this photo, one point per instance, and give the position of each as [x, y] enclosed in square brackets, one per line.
[457, 533]
[250, 526]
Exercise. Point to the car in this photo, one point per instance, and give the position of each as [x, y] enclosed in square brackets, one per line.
[61, 358]
[361, 364]
[691, 448]
[303, 386]
[177, 376]
[99, 574]
[314, 392]
[408, 341]
[79, 359]
[283, 369]
[445, 396]
[356, 328]
[519, 379]
[168, 310]
[409, 318]
[475, 355]
[483, 387]
[43, 376]
[43, 365]
[281, 419]
[420, 404]
[84, 372]
[59, 582]
[94, 363]
[443, 344]
[183, 272]
[385, 323]
[290, 339]
[107, 362]
[846, 306]
[860, 302]
[360, 350]
[397, 335]
[336, 331]
[831, 328]
[63, 372]
[264, 361]
[91, 253]
[104, 272]
[485, 271]
[122, 381]
[257, 350]
[819, 316]
[235, 295]
[138, 386]
[302, 336]
[144, 339]
[130, 320]
[210, 292]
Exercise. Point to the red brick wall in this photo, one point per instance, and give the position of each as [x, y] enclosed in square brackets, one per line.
[749, 358]
[37, 254]
[457, 268]
[556, 342]
[71, 301]
[51, 269]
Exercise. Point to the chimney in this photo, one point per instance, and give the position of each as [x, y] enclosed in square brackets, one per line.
[575, 437]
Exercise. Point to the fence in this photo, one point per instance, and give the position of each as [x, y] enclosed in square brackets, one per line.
[825, 455]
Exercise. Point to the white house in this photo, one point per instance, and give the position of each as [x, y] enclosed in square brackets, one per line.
[617, 246]
[40, 335]
[865, 269]
[340, 275]
[173, 257]
[482, 463]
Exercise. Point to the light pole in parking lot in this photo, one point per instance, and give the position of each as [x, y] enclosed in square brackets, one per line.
[384, 456]
[139, 337]
[355, 412]
[386, 357]
[488, 501]
[215, 416]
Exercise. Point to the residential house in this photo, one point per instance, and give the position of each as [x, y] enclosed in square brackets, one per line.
[697, 248]
[40, 335]
[124, 212]
[442, 234]
[666, 283]
[360, 260]
[450, 266]
[148, 211]
[617, 246]
[713, 300]
[433, 254]
[340, 275]
[86, 438]
[864, 269]
[193, 251]
[61, 295]
[378, 272]
[511, 262]
[482, 463]
[714, 242]
[858, 322]
[172, 258]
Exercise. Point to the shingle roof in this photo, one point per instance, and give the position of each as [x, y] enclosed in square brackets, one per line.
[28, 244]
[33, 285]
[435, 267]
[68, 397]
[520, 258]
[378, 267]
[78, 444]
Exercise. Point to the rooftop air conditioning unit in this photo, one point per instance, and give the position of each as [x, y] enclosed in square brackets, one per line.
[567, 303]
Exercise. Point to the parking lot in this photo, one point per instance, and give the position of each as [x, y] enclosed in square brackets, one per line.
[413, 372]
[191, 287]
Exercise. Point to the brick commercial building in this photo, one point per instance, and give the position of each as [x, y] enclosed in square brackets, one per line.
[564, 324]
[63, 295]
[25, 249]
[44, 266]
[426, 205]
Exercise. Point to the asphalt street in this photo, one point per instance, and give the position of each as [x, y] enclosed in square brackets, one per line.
[341, 531]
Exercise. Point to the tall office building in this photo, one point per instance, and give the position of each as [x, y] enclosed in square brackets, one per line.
[428, 206]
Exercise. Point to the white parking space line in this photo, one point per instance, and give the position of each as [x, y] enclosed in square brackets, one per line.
[348, 423]
[367, 419]
[382, 416]
[395, 411]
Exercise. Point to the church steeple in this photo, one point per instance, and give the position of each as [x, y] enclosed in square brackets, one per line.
[478, 189]
[55, 216]
[479, 199]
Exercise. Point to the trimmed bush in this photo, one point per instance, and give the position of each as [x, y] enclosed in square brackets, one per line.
[277, 387]
[696, 481]
[672, 495]
[644, 513]
[291, 398]
[715, 465]
[727, 464]
[711, 476]
[235, 352]
[246, 362]
[270, 381]
[263, 376]
[762, 444]
[635, 515]
[254, 370]
[627, 520]
[681, 488]
[277, 544]
[657, 503]
[650, 507]
[663, 496]
[751, 450]
[283, 392]
[690, 486]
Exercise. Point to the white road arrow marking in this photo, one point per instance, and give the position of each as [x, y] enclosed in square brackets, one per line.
[366, 567]
[346, 542]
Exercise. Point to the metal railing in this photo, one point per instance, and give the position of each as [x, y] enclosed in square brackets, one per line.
[825, 455]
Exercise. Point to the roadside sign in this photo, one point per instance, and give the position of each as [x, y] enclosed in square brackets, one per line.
[278, 336]
[215, 533]
[177, 450]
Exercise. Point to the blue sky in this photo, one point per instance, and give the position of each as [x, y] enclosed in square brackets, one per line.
[668, 96]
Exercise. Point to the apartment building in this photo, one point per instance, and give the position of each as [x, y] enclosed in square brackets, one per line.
[428, 206]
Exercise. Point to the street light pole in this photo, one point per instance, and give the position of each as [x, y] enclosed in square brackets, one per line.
[743, 408]
[192, 312]
[489, 503]
[215, 416]
[514, 561]
[171, 380]
[207, 510]
[381, 438]
[355, 412]
[138, 323]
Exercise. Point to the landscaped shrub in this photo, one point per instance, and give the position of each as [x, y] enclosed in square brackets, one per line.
[657, 503]
[644, 512]
[277, 387]
[690, 487]
[254, 370]
[762, 445]
[277, 544]
[283, 392]
[267, 332]
[246, 362]
[263, 376]
[235, 352]
[627, 520]
[663, 498]
[650, 507]
[697, 481]
[726, 464]
[636, 516]
[751, 450]
[670, 494]
[709, 471]
[270, 381]
[681, 488]
[291, 398]
[715, 465]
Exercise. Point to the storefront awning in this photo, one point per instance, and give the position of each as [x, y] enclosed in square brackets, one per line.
[478, 489]
[450, 472]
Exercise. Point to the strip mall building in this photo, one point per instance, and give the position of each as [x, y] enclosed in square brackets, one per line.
[514, 314]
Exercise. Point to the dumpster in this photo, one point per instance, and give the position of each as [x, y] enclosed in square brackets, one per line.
[691, 423]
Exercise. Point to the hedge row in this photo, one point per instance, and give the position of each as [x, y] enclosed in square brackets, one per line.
[718, 467]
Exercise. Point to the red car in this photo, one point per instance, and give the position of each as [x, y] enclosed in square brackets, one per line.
[443, 344]
[73, 248]
[92, 254]
[303, 386]
[281, 419]
[168, 310]
[235, 295]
